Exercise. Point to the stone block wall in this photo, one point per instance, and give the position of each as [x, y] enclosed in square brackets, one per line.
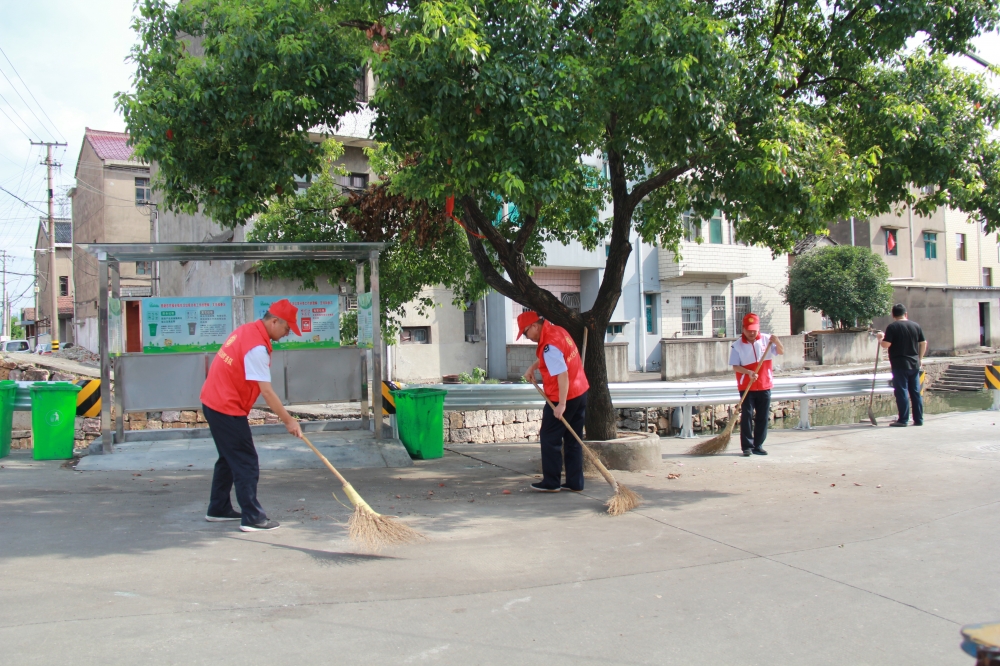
[487, 426]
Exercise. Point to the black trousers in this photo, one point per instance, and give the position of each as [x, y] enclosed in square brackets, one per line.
[237, 466]
[754, 419]
[907, 385]
[554, 435]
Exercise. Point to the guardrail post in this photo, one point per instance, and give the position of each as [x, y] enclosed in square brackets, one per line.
[803, 415]
[996, 401]
[687, 430]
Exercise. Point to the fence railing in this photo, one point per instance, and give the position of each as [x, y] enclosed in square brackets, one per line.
[471, 397]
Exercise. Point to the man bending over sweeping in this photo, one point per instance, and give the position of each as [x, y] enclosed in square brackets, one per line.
[566, 386]
[239, 374]
[745, 356]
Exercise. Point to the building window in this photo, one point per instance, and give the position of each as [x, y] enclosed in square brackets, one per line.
[64, 285]
[930, 245]
[691, 315]
[692, 228]
[355, 181]
[607, 250]
[715, 230]
[472, 333]
[891, 247]
[415, 335]
[144, 268]
[361, 86]
[987, 277]
[960, 247]
[616, 329]
[743, 308]
[571, 299]
[142, 195]
[719, 316]
[651, 314]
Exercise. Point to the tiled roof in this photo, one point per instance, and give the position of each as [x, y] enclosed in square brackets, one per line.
[28, 314]
[110, 145]
[811, 242]
[65, 305]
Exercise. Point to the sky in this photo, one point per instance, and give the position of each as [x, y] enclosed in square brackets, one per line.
[62, 63]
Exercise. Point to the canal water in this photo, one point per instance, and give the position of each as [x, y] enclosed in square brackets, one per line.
[856, 411]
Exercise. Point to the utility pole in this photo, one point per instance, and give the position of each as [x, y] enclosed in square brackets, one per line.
[53, 270]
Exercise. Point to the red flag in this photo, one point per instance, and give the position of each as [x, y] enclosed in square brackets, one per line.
[890, 240]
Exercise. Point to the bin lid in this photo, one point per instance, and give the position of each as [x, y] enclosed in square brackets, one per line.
[68, 387]
[417, 392]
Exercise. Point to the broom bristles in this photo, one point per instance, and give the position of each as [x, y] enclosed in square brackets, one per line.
[717, 444]
[623, 501]
[372, 529]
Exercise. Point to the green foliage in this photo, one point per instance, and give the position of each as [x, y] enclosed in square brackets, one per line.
[349, 328]
[16, 331]
[845, 283]
[478, 376]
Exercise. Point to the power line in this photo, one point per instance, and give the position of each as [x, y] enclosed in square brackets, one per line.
[22, 200]
[40, 122]
[12, 120]
[40, 108]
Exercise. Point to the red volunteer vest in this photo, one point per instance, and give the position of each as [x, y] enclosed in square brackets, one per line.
[765, 376]
[226, 388]
[558, 337]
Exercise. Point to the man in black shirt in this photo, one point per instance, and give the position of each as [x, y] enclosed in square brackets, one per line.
[906, 344]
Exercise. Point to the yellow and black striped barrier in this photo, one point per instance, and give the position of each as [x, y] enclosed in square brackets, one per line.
[88, 400]
[388, 402]
[993, 377]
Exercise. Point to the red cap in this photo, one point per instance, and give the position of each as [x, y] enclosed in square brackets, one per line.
[524, 320]
[283, 309]
[751, 322]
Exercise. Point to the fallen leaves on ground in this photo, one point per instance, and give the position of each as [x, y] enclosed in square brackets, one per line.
[673, 476]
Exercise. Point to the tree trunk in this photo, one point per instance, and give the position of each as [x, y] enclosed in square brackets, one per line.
[602, 420]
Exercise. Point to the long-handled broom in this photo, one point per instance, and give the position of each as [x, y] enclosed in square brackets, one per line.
[365, 525]
[718, 444]
[871, 399]
[624, 500]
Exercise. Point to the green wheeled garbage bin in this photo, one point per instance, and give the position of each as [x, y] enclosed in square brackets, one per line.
[53, 419]
[420, 419]
[7, 389]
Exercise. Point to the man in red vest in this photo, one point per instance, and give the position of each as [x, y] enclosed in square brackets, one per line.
[239, 374]
[566, 386]
[745, 355]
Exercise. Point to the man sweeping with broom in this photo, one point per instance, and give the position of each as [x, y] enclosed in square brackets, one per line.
[566, 386]
[239, 374]
[750, 357]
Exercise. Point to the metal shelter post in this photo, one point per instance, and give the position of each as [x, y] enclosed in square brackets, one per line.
[376, 347]
[114, 272]
[103, 348]
[364, 353]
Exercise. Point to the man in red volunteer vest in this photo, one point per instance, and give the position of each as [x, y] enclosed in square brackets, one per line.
[239, 374]
[566, 386]
[745, 355]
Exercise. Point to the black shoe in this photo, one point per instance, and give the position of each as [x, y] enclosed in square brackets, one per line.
[538, 487]
[758, 452]
[232, 515]
[261, 527]
[915, 423]
[574, 490]
[746, 453]
[897, 424]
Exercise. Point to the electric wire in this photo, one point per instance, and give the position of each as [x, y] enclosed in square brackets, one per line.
[40, 107]
[3, 189]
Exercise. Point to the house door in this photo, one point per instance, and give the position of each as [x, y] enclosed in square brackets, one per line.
[133, 327]
[984, 324]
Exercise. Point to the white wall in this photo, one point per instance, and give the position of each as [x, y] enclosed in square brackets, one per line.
[448, 352]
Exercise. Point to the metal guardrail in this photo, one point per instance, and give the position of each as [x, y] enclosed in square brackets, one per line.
[471, 397]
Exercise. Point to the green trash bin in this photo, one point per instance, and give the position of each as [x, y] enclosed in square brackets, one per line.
[7, 389]
[53, 419]
[420, 419]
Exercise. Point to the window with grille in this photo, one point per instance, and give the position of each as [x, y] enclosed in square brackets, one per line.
[415, 335]
[930, 245]
[144, 268]
[616, 329]
[472, 333]
[64, 285]
[743, 308]
[571, 299]
[352, 302]
[691, 315]
[361, 86]
[651, 314]
[960, 247]
[142, 194]
[355, 181]
[719, 316]
[692, 228]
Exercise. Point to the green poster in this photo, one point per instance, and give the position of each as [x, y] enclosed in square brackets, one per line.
[193, 324]
[365, 320]
[319, 320]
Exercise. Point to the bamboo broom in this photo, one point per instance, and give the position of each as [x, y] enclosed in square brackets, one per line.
[371, 529]
[624, 500]
[720, 442]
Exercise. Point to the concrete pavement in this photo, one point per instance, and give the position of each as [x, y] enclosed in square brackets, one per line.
[847, 545]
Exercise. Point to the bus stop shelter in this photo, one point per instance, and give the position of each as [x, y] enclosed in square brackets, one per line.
[156, 382]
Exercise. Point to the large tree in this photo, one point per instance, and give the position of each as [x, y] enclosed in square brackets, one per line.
[782, 115]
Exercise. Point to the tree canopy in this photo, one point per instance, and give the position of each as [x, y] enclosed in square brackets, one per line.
[848, 284]
[782, 115]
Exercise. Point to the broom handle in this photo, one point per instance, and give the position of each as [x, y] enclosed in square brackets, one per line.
[878, 352]
[326, 462]
[591, 456]
[767, 352]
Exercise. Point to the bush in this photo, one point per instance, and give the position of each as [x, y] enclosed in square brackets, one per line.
[850, 285]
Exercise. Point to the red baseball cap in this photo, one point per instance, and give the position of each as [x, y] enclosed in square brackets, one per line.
[283, 309]
[751, 322]
[524, 320]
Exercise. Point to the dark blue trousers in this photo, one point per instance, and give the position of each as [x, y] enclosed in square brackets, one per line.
[754, 419]
[554, 435]
[237, 466]
[907, 384]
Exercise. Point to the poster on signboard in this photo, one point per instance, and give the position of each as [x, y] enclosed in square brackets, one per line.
[319, 320]
[192, 324]
[116, 331]
[365, 329]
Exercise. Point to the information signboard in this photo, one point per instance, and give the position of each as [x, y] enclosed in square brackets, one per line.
[319, 320]
[365, 329]
[191, 324]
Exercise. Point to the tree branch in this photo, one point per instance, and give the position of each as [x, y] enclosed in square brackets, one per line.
[641, 190]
